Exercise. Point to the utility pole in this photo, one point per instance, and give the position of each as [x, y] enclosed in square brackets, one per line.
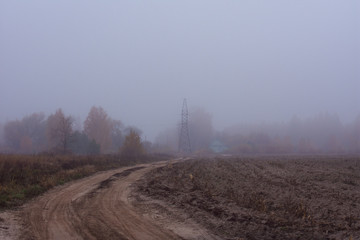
[184, 139]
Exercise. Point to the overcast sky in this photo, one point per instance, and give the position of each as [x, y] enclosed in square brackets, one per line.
[243, 61]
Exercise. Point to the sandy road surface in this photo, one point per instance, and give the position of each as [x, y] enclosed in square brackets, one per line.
[96, 207]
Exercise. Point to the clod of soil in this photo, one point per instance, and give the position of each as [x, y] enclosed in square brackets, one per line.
[315, 197]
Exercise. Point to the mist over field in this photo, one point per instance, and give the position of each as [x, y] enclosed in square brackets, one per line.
[259, 76]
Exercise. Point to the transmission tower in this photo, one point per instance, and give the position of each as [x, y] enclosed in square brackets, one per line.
[184, 139]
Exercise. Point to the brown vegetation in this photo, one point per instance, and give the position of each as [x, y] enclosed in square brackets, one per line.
[59, 131]
[61, 134]
[98, 127]
[25, 176]
[265, 197]
[132, 147]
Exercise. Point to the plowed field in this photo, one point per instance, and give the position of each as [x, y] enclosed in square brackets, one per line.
[297, 197]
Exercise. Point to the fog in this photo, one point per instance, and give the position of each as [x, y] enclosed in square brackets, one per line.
[244, 62]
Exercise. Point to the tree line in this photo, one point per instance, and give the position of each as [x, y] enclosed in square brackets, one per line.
[57, 133]
[322, 134]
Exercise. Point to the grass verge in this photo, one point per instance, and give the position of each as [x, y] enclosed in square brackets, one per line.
[23, 177]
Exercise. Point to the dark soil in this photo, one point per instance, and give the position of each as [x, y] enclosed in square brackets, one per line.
[297, 197]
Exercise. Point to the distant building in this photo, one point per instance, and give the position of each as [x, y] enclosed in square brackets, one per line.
[217, 146]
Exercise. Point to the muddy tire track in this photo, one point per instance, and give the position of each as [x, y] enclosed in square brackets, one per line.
[96, 207]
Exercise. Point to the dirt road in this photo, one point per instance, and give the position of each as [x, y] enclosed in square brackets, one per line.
[96, 207]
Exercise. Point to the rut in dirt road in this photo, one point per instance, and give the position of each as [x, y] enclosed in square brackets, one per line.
[96, 207]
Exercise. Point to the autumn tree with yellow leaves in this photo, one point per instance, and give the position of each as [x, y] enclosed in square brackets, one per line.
[132, 147]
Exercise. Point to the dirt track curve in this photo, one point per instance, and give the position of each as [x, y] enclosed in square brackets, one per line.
[96, 207]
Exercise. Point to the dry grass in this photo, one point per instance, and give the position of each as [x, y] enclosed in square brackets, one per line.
[264, 198]
[25, 176]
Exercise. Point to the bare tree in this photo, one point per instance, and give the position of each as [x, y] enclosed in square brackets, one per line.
[59, 130]
[117, 137]
[13, 132]
[26, 135]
